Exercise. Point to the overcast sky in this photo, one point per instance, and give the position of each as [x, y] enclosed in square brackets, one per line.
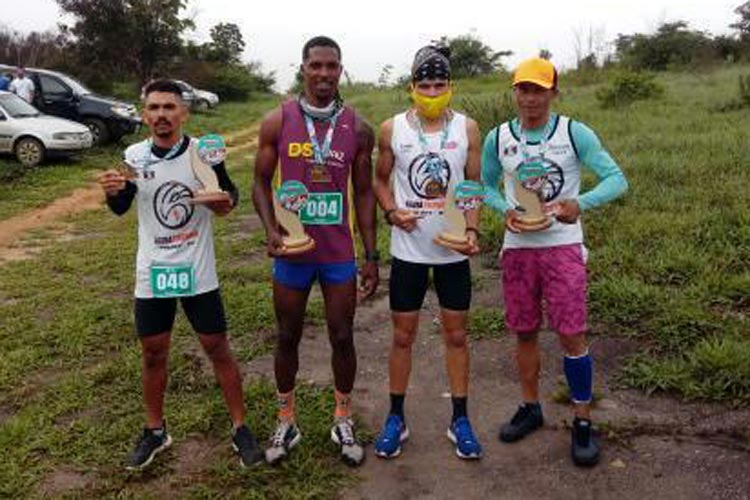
[373, 34]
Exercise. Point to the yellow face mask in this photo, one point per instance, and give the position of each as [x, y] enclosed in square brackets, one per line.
[431, 107]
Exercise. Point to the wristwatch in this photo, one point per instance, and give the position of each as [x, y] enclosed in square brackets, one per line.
[373, 256]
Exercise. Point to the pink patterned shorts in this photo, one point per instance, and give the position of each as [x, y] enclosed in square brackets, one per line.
[555, 274]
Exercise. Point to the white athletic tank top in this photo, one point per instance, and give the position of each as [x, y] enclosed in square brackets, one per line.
[171, 231]
[422, 176]
[563, 181]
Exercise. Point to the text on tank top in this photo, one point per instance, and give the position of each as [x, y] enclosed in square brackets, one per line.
[326, 215]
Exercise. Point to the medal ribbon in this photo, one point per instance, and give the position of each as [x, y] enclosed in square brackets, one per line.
[321, 152]
[423, 139]
[148, 157]
[525, 141]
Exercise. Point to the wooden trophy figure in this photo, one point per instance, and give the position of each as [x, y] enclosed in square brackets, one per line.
[468, 195]
[211, 150]
[288, 200]
[128, 171]
[528, 186]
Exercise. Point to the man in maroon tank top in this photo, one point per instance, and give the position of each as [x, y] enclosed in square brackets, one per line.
[317, 141]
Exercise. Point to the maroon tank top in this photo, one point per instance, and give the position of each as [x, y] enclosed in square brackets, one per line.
[326, 216]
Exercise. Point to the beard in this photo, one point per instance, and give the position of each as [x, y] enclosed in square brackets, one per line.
[163, 129]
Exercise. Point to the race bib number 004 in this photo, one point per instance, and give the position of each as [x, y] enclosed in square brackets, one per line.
[323, 209]
[172, 280]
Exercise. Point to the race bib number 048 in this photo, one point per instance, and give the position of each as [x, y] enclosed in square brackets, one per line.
[323, 209]
[172, 280]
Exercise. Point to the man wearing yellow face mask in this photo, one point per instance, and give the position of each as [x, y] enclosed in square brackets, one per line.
[428, 149]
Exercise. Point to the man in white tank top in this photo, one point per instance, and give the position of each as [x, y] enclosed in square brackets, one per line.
[175, 261]
[428, 150]
[545, 263]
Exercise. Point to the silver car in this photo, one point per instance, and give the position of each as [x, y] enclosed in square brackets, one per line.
[197, 98]
[31, 135]
[205, 99]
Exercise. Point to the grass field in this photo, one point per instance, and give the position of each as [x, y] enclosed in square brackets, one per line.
[670, 262]
[669, 266]
[24, 189]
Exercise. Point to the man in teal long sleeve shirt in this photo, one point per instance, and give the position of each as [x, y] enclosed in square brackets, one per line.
[547, 261]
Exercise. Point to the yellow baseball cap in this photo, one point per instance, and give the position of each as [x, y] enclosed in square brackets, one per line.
[538, 71]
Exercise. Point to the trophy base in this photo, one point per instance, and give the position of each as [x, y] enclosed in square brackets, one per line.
[452, 241]
[533, 223]
[209, 197]
[299, 245]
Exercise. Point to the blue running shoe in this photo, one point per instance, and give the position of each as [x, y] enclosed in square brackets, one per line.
[467, 446]
[388, 442]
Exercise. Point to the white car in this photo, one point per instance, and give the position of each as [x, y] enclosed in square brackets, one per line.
[31, 135]
[205, 99]
[197, 98]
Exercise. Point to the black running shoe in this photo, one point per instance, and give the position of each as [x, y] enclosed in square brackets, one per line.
[527, 419]
[151, 442]
[584, 446]
[247, 447]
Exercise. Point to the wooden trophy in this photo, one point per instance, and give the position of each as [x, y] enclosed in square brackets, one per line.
[211, 150]
[468, 195]
[128, 171]
[288, 200]
[528, 185]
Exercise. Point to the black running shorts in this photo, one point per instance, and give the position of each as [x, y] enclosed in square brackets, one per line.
[205, 312]
[409, 281]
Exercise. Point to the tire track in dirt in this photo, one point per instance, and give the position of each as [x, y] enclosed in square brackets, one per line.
[90, 197]
[12, 230]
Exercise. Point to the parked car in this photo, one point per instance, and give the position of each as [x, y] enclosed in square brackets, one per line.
[31, 135]
[61, 95]
[188, 93]
[200, 99]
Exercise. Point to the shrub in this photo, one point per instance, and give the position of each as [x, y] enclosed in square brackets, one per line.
[233, 83]
[488, 111]
[627, 87]
[743, 97]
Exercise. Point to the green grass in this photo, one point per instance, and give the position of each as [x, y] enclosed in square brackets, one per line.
[486, 323]
[69, 380]
[21, 189]
[670, 262]
[669, 266]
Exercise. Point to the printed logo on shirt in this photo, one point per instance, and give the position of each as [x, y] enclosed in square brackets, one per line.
[429, 176]
[172, 205]
[176, 240]
[305, 150]
[511, 150]
[551, 181]
[560, 148]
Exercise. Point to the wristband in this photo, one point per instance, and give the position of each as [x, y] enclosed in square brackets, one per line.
[373, 256]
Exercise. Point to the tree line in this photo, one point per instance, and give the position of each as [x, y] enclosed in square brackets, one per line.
[110, 41]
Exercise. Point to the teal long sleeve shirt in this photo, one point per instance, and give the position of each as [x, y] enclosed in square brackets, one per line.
[591, 154]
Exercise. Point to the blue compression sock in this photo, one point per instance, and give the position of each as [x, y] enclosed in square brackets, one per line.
[579, 371]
